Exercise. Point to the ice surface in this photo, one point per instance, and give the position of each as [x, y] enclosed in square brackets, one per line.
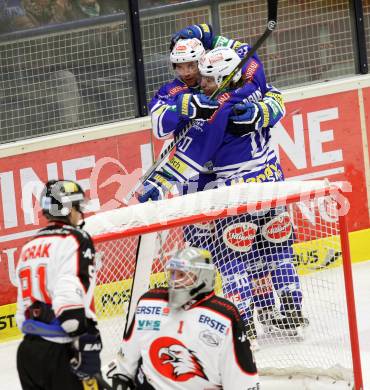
[9, 378]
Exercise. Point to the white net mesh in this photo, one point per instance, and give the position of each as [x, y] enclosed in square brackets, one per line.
[279, 258]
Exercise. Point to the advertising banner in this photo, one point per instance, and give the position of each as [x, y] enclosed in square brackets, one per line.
[320, 137]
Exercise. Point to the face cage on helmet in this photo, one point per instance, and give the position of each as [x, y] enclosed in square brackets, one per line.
[179, 296]
[181, 283]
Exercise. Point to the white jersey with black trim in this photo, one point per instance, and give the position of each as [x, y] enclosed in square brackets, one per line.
[202, 347]
[56, 267]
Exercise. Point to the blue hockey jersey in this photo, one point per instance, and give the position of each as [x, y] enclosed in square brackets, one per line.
[165, 119]
[210, 146]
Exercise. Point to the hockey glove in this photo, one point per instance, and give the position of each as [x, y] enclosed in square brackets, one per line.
[156, 186]
[203, 32]
[195, 106]
[246, 118]
[86, 360]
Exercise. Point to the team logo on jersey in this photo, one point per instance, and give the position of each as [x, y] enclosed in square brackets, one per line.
[262, 286]
[148, 325]
[279, 229]
[178, 89]
[172, 359]
[240, 236]
[209, 338]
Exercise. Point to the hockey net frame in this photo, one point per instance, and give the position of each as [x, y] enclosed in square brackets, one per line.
[126, 238]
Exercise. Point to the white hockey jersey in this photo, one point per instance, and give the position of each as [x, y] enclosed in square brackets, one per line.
[56, 267]
[201, 348]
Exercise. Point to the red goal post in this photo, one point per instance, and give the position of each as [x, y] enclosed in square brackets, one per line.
[135, 242]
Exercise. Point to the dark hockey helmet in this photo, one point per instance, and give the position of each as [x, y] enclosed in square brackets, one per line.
[59, 196]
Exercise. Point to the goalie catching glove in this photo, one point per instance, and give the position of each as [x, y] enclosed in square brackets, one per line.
[86, 362]
[195, 106]
[157, 185]
[202, 31]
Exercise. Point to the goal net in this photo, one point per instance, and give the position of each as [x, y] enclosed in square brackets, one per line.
[282, 254]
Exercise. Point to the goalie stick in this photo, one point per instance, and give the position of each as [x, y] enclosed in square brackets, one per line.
[271, 24]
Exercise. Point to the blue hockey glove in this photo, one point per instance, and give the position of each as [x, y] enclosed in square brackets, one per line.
[156, 186]
[86, 360]
[246, 118]
[248, 113]
[202, 31]
[195, 106]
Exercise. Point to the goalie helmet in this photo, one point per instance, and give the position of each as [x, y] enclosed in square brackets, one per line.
[186, 50]
[219, 63]
[190, 272]
[58, 198]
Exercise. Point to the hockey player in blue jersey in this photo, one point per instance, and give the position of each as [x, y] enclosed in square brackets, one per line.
[255, 270]
[187, 46]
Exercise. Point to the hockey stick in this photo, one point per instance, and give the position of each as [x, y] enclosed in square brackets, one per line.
[271, 24]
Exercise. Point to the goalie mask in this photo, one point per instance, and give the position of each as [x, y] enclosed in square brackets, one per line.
[186, 50]
[219, 63]
[58, 198]
[190, 272]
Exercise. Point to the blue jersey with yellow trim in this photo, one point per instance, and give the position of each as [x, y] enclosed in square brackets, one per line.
[165, 119]
[209, 145]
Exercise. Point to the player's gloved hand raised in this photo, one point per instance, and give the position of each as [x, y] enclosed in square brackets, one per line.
[245, 118]
[202, 31]
[195, 106]
[86, 360]
[156, 186]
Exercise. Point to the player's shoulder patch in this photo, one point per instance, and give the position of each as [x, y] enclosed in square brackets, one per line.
[222, 306]
[178, 89]
[156, 293]
[250, 70]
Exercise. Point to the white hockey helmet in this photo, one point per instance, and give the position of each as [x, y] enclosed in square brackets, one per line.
[190, 272]
[186, 50]
[219, 63]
